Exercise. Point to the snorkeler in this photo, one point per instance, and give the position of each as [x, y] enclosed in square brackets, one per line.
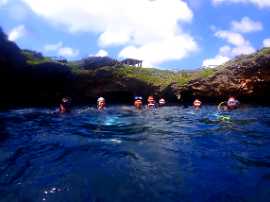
[151, 103]
[197, 104]
[162, 102]
[65, 105]
[231, 104]
[138, 102]
[101, 104]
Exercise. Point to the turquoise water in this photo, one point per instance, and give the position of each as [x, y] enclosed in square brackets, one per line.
[120, 154]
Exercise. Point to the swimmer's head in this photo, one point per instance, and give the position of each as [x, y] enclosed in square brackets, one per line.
[197, 103]
[232, 103]
[151, 102]
[138, 102]
[101, 102]
[65, 104]
[151, 99]
[66, 101]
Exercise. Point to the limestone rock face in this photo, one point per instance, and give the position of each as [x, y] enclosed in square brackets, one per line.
[246, 77]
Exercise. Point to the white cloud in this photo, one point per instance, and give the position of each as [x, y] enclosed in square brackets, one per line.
[236, 42]
[68, 52]
[156, 52]
[102, 53]
[53, 47]
[266, 42]
[213, 62]
[141, 24]
[18, 12]
[110, 38]
[16, 33]
[238, 46]
[246, 25]
[61, 50]
[241, 45]
[245, 50]
[195, 4]
[225, 51]
[231, 37]
[224, 55]
[259, 3]
[3, 2]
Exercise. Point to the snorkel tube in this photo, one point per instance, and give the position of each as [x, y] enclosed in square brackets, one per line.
[231, 104]
[222, 106]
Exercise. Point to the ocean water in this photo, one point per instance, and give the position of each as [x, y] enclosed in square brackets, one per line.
[125, 155]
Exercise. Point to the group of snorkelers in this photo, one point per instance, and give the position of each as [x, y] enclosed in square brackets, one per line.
[151, 102]
[230, 104]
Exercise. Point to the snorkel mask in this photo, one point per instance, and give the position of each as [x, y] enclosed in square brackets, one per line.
[162, 101]
[138, 101]
[138, 98]
[66, 102]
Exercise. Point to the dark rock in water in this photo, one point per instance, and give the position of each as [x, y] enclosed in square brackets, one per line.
[12, 65]
[51, 82]
[87, 88]
[29, 84]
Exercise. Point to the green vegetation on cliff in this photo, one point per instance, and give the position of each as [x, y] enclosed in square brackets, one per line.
[161, 78]
[151, 76]
[34, 58]
[246, 60]
[46, 80]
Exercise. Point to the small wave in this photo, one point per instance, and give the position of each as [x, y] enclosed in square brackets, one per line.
[251, 161]
[116, 141]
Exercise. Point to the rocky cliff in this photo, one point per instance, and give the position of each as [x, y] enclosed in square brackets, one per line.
[28, 78]
[246, 77]
[27, 82]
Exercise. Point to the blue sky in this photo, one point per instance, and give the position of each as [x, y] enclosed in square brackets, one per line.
[169, 34]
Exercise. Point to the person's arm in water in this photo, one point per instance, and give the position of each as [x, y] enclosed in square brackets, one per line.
[62, 108]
